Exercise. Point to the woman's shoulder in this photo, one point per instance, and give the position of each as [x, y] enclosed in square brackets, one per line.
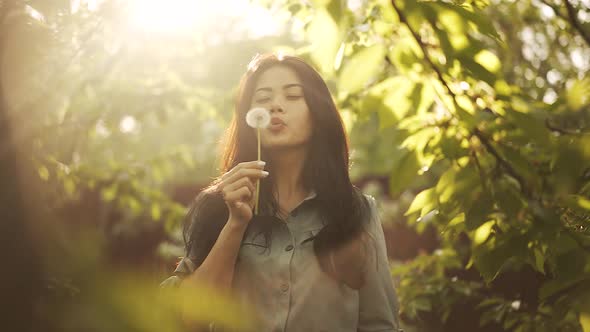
[372, 215]
[369, 204]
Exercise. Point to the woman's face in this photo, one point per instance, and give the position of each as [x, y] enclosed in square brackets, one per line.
[279, 90]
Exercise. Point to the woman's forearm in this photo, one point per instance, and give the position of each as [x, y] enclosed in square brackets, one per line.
[217, 269]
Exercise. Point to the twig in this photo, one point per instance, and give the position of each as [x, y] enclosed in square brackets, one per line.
[573, 18]
[555, 9]
[506, 165]
[404, 20]
[479, 168]
[560, 130]
[502, 162]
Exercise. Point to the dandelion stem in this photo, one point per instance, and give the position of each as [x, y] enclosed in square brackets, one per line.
[257, 180]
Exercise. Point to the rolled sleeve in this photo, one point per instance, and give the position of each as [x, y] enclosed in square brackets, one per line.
[184, 268]
[378, 303]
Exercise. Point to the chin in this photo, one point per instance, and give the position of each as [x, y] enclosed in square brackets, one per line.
[283, 145]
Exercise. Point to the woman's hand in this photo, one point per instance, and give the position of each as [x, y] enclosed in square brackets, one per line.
[238, 189]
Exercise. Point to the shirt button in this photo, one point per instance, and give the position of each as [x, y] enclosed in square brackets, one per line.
[289, 248]
[284, 287]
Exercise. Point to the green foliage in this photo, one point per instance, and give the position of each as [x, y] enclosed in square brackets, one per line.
[477, 109]
[500, 136]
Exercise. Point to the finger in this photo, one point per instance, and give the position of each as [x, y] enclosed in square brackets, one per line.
[255, 164]
[248, 183]
[242, 194]
[259, 164]
[245, 181]
[225, 188]
[246, 172]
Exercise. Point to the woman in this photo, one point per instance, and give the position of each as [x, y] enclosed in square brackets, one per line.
[314, 258]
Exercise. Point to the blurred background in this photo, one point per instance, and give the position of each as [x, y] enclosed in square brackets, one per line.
[469, 122]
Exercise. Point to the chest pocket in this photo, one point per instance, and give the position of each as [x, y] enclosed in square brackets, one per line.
[253, 243]
[309, 235]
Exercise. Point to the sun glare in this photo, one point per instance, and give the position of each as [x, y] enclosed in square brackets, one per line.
[166, 15]
[177, 16]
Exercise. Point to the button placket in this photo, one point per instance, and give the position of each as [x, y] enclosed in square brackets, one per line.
[287, 258]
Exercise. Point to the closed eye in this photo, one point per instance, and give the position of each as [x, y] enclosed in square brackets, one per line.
[262, 100]
[293, 97]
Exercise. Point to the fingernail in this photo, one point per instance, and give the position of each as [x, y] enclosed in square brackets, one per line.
[265, 173]
[261, 163]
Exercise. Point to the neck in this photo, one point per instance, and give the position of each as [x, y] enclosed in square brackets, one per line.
[287, 167]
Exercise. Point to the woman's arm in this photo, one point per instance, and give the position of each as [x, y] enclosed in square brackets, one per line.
[217, 269]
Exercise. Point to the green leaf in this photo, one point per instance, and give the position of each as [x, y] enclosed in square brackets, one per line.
[520, 164]
[398, 100]
[422, 304]
[539, 261]
[477, 71]
[406, 55]
[364, 65]
[43, 173]
[321, 3]
[69, 185]
[507, 196]
[578, 95]
[479, 211]
[577, 202]
[420, 139]
[156, 211]
[483, 232]
[423, 198]
[109, 193]
[585, 321]
[532, 125]
[325, 37]
[404, 172]
[554, 286]
[455, 28]
[336, 8]
[478, 20]
[457, 186]
[488, 60]
[490, 259]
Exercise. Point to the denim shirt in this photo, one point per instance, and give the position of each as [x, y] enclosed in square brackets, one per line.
[292, 293]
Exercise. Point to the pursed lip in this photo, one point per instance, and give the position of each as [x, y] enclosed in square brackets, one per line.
[277, 121]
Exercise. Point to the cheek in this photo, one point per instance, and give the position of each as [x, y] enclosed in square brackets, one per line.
[305, 125]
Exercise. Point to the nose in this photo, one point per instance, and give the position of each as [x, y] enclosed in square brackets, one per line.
[276, 106]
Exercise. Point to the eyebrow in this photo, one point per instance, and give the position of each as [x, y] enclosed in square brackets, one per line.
[286, 86]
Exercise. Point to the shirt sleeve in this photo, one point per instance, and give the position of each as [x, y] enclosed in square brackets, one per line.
[378, 303]
[184, 268]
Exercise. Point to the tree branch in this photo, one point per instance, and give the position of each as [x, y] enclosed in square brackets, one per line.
[573, 18]
[505, 164]
[502, 162]
[404, 20]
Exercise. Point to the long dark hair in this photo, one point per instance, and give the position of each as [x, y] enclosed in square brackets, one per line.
[341, 245]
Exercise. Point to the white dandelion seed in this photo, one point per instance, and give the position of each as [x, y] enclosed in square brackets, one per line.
[258, 117]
